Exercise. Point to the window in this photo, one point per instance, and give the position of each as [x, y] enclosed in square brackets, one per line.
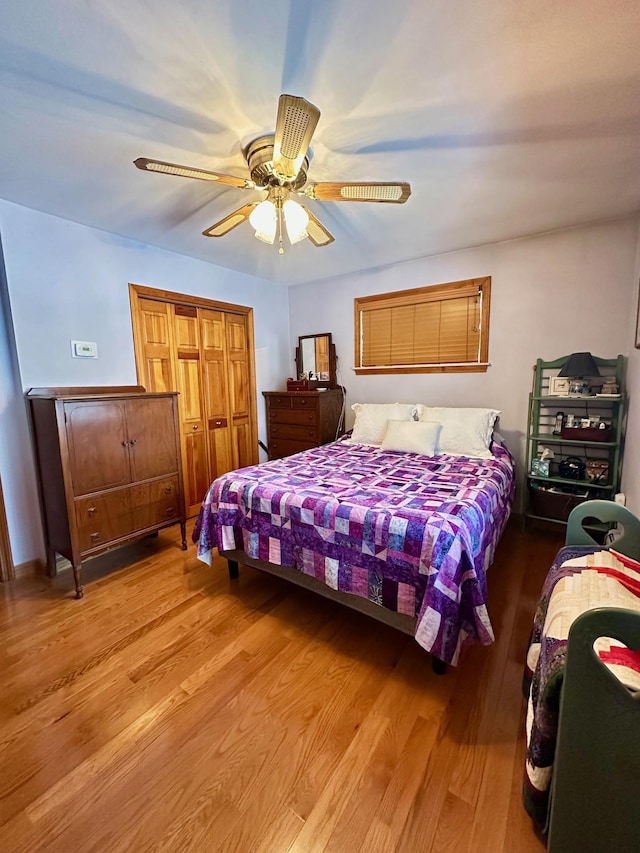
[440, 328]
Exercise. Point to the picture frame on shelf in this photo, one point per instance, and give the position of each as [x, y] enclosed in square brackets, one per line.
[559, 386]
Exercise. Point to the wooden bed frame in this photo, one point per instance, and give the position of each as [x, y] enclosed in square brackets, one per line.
[406, 624]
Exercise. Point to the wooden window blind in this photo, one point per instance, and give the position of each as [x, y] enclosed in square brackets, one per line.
[444, 327]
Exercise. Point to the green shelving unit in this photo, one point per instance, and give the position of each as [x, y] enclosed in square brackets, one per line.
[551, 498]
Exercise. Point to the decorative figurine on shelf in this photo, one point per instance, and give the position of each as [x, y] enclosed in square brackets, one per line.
[609, 386]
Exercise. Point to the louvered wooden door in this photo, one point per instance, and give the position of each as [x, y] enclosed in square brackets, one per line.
[239, 397]
[215, 369]
[195, 452]
[205, 353]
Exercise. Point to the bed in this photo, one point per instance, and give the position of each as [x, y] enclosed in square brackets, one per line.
[405, 537]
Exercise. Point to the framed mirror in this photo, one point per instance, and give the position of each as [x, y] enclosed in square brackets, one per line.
[316, 359]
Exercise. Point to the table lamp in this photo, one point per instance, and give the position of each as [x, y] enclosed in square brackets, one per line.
[578, 367]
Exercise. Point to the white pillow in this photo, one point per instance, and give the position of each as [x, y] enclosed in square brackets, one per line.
[465, 432]
[412, 436]
[371, 420]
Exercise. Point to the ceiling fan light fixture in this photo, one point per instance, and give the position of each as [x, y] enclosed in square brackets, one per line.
[296, 219]
[263, 220]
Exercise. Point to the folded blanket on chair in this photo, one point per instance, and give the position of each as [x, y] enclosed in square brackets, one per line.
[580, 579]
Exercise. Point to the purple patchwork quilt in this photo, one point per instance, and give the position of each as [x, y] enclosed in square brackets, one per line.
[411, 533]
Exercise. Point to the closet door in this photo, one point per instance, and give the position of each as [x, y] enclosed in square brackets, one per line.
[191, 407]
[204, 350]
[244, 453]
[154, 345]
[216, 393]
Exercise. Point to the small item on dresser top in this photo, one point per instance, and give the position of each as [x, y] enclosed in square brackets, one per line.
[301, 384]
[570, 422]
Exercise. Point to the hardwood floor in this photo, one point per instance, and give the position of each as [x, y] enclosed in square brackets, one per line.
[174, 710]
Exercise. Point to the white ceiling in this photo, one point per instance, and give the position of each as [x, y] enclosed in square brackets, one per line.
[508, 117]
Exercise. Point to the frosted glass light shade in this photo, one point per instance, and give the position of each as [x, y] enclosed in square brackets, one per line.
[296, 219]
[263, 219]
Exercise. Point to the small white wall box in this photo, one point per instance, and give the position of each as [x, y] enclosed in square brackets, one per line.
[84, 349]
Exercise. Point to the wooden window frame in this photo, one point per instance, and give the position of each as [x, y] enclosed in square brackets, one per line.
[421, 295]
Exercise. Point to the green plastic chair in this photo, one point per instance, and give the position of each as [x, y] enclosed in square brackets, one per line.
[607, 512]
[596, 776]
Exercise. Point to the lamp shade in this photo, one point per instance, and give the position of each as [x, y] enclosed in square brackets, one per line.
[263, 219]
[296, 219]
[579, 364]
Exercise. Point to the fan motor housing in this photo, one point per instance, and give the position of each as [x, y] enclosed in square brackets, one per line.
[259, 157]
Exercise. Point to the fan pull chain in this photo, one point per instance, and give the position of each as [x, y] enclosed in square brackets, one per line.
[280, 247]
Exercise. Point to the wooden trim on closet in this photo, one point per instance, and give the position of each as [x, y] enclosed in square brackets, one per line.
[139, 290]
[7, 569]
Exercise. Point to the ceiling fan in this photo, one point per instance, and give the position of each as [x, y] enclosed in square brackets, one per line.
[278, 163]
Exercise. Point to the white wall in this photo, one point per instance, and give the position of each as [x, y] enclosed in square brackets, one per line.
[67, 281]
[551, 295]
[631, 470]
[18, 479]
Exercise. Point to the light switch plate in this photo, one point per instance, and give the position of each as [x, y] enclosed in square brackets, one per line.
[84, 349]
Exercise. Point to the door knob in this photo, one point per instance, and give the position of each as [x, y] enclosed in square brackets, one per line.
[195, 426]
[133, 441]
[125, 443]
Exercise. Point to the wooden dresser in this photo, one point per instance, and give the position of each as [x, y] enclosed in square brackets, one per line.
[109, 468]
[298, 420]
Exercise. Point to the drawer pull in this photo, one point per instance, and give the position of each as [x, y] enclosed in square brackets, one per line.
[170, 511]
[195, 426]
[167, 490]
[95, 537]
[125, 444]
[133, 441]
[218, 423]
[91, 511]
[303, 402]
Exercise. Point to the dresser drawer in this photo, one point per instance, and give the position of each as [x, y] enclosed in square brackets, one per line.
[280, 402]
[302, 402]
[284, 416]
[155, 503]
[103, 518]
[303, 433]
[287, 446]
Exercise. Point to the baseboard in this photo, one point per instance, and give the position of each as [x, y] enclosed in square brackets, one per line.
[30, 567]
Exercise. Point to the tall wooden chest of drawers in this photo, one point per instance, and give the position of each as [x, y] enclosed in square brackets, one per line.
[109, 468]
[298, 420]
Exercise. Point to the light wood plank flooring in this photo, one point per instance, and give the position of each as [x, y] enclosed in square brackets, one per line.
[174, 710]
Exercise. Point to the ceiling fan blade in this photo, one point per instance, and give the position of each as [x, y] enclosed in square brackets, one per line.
[189, 172]
[296, 122]
[396, 193]
[316, 231]
[231, 221]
